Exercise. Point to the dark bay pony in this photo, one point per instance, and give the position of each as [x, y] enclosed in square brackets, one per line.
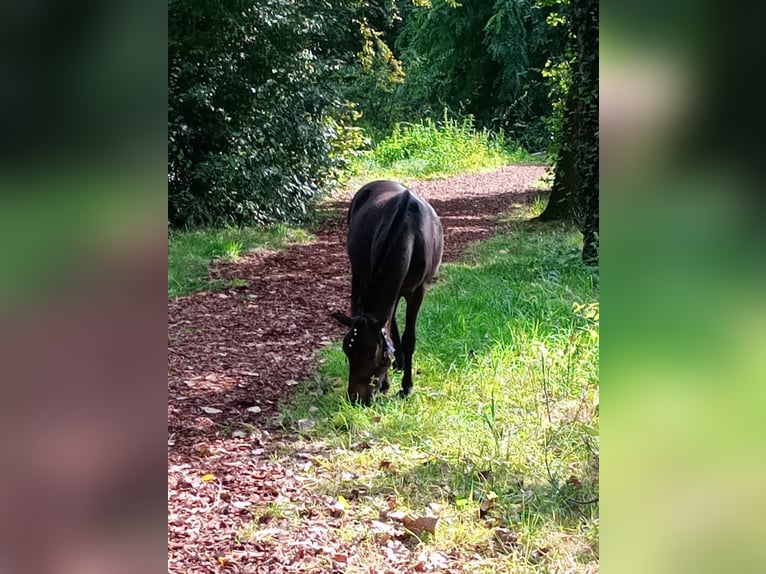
[395, 243]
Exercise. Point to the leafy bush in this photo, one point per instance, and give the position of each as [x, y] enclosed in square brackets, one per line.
[253, 136]
[478, 58]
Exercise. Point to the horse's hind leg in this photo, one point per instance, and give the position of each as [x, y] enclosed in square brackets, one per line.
[397, 341]
[414, 302]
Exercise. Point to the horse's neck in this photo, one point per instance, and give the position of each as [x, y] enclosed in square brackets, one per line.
[380, 302]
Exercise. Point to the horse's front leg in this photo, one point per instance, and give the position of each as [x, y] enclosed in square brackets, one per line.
[414, 302]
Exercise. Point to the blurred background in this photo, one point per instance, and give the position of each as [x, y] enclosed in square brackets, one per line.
[683, 367]
[82, 282]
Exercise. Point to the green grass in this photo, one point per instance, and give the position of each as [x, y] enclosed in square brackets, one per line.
[190, 252]
[501, 430]
[429, 150]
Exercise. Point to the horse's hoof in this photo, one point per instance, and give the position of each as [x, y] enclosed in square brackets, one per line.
[404, 393]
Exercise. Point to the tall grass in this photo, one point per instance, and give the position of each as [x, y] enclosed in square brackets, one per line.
[191, 252]
[427, 149]
[502, 428]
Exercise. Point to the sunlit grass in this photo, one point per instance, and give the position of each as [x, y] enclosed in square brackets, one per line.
[429, 150]
[502, 430]
[190, 252]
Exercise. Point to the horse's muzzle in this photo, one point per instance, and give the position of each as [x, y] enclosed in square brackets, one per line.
[361, 393]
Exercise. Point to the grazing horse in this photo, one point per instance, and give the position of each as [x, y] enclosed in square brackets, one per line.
[395, 243]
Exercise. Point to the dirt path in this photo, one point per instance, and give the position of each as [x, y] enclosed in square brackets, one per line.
[234, 355]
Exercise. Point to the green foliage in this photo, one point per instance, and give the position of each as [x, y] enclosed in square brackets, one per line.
[519, 39]
[502, 428]
[427, 149]
[348, 141]
[266, 101]
[253, 108]
[190, 252]
[474, 58]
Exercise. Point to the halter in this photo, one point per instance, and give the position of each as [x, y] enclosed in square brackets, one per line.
[389, 345]
[389, 353]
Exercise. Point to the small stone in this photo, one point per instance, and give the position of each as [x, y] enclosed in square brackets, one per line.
[302, 425]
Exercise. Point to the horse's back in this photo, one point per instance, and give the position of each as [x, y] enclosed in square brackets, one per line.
[374, 196]
[390, 226]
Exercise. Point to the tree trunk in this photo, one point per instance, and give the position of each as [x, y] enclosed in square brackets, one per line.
[574, 194]
[559, 207]
[586, 159]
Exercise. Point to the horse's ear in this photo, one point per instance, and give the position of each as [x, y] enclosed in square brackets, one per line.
[342, 318]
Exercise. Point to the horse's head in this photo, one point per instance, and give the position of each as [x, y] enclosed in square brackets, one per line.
[368, 349]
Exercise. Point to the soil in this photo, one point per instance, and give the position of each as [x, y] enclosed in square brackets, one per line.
[235, 355]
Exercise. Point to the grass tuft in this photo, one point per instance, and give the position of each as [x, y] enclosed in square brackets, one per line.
[191, 252]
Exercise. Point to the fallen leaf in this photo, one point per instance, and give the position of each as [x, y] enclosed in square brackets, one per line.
[211, 410]
[239, 434]
[208, 477]
[421, 524]
[574, 481]
[378, 526]
[397, 515]
[254, 409]
[428, 561]
[538, 554]
[507, 538]
[338, 509]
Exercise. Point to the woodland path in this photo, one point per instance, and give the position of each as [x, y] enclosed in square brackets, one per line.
[246, 348]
